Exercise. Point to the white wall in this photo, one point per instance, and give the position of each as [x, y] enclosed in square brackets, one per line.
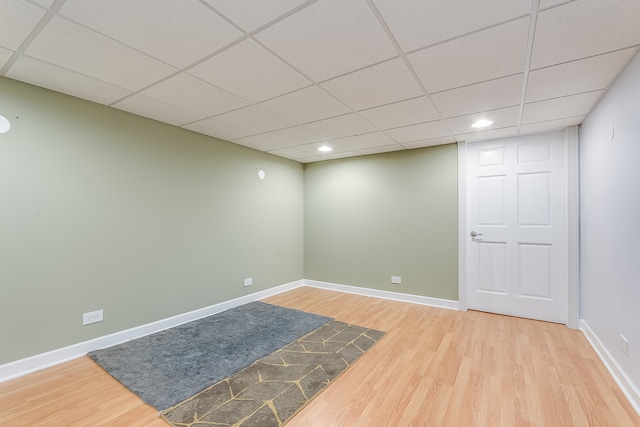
[610, 224]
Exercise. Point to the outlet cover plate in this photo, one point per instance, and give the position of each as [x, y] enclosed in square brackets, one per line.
[624, 345]
[248, 281]
[396, 280]
[92, 317]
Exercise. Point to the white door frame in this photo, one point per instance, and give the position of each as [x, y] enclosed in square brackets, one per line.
[573, 209]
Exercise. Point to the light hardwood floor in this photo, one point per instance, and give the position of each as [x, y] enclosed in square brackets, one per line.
[434, 367]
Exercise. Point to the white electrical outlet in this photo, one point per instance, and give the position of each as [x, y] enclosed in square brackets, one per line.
[396, 280]
[92, 317]
[248, 281]
[624, 345]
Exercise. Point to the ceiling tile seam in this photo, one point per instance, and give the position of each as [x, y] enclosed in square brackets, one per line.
[390, 103]
[128, 46]
[470, 33]
[255, 134]
[250, 35]
[413, 72]
[318, 84]
[75, 72]
[626, 64]
[313, 82]
[177, 73]
[566, 96]
[483, 111]
[635, 46]
[426, 139]
[553, 6]
[555, 120]
[414, 124]
[169, 105]
[49, 13]
[194, 64]
[476, 83]
[263, 26]
[307, 143]
[479, 132]
[357, 70]
[527, 61]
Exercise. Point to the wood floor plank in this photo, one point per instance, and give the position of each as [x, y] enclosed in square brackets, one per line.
[434, 367]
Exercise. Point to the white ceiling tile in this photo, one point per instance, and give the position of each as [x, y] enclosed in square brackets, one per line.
[501, 118]
[71, 46]
[157, 110]
[418, 132]
[419, 23]
[55, 78]
[583, 75]
[311, 159]
[484, 96]
[5, 54]
[551, 125]
[290, 153]
[17, 20]
[383, 149]
[429, 142]
[381, 84]
[340, 155]
[217, 129]
[368, 140]
[488, 134]
[251, 72]
[403, 113]
[44, 3]
[337, 147]
[545, 4]
[282, 138]
[178, 33]
[585, 28]
[496, 52]
[306, 105]
[250, 15]
[559, 108]
[329, 38]
[194, 95]
[254, 119]
[338, 127]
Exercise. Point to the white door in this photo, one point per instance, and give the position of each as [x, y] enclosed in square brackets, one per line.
[516, 207]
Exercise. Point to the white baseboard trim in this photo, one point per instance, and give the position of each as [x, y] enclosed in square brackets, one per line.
[624, 382]
[38, 362]
[35, 363]
[395, 296]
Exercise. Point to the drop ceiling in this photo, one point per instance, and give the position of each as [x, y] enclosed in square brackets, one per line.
[362, 76]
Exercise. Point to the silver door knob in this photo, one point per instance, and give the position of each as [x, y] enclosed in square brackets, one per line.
[474, 234]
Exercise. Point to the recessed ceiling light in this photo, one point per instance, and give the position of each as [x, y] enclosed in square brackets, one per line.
[482, 123]
[4, 124]
[325, 148]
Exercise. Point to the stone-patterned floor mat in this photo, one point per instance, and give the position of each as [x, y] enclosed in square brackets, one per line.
[276, 387]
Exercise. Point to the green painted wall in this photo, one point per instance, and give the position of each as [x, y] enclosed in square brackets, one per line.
[102, 209]
[368, 218]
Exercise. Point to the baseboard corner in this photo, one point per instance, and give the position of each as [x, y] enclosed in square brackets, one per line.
[627, 386]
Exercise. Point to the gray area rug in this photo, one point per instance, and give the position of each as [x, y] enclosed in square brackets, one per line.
[170, 366]
[273, 389]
